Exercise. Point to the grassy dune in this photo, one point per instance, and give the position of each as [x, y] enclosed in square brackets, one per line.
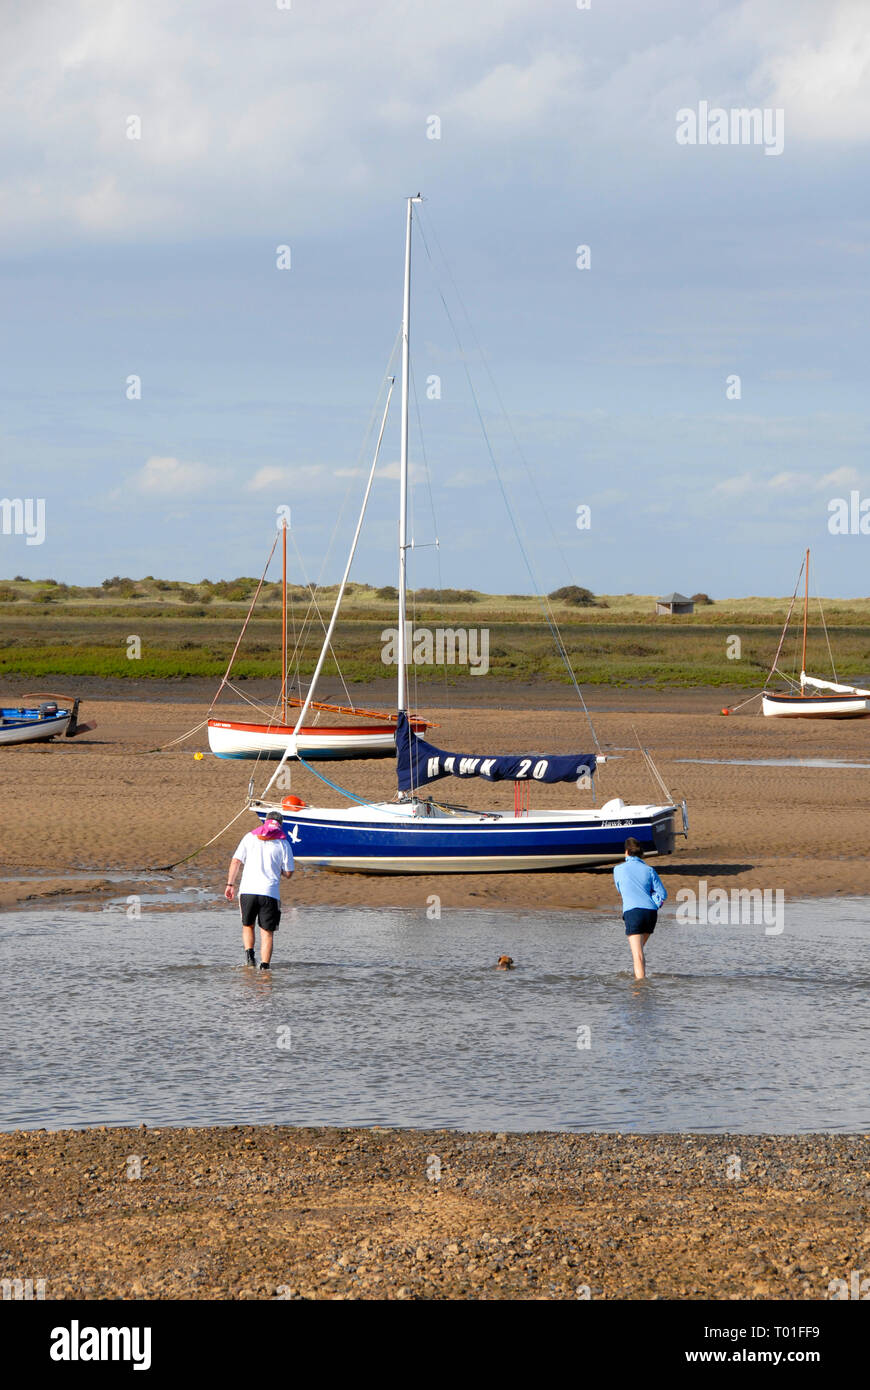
[190, 630]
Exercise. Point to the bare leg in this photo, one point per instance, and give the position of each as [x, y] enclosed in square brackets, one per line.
[266, 939]
[637, 942]
[247, 937]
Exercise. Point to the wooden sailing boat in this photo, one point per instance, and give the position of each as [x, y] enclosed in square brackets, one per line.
[232, 738]
[842, 701]
[413, 834]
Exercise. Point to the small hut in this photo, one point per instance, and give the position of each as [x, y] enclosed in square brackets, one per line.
[674, 603]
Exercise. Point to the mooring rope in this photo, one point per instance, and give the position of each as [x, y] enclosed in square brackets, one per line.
[165, 868]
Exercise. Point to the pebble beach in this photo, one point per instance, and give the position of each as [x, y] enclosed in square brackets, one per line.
[273, 1213]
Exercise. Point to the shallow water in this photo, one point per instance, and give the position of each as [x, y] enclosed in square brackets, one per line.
[773, 762]
[395, 1019]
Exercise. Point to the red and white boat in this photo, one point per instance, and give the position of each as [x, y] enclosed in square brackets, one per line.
[234, 739]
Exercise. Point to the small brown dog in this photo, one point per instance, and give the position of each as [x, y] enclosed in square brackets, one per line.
[505, 963]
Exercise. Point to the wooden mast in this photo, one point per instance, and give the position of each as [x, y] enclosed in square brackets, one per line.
[284, 621]
[806, 605]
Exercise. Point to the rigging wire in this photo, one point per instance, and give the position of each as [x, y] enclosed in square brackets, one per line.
[545, 605]
[505, 414]
[782, 635]
[323, 625]
[825, 630]
[313, 607]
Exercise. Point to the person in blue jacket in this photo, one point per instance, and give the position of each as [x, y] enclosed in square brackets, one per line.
[642, 893]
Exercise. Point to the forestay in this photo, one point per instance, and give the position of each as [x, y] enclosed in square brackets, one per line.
[419, 762]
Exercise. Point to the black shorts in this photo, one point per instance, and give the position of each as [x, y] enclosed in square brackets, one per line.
[259, 908]
[639, 920]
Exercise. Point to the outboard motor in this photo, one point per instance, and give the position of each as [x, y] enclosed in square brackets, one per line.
[48, 710]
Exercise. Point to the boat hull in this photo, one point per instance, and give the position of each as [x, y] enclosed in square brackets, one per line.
[815, 706]
[392, 840]
[29, 726]
[229, 739]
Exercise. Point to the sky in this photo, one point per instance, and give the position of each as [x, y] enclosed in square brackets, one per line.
[532, 128]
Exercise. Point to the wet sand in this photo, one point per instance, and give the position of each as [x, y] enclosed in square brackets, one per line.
[247, 1213]
[79, 809]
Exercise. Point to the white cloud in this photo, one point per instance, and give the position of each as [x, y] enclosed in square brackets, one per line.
[738, 486]
[822, 79]
[787, 481]
[254, 117]
[293, 478]
[514, 95]
[170, 477]
[416, 471]
[841, 477]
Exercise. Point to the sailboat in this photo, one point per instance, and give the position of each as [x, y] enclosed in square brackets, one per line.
[416, 834]
[842, 701]
[233, 738]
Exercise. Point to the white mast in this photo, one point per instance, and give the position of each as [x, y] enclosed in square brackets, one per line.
[403, 464]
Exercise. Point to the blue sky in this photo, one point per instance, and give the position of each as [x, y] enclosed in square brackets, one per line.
[307, 127]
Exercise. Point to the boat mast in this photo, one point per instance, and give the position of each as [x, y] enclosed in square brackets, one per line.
[284, 621]
[403, 459]
[806, 606]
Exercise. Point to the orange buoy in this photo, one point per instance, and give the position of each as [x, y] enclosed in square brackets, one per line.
[293, 803]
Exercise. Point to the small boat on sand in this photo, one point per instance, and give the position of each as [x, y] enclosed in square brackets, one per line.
[837, 701]
[33, 722]
[270, 740]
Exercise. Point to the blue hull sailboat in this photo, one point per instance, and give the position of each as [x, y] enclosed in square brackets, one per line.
[418, 837]
[416, 834]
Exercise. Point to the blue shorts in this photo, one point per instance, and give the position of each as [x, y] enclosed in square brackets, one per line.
[639, 919]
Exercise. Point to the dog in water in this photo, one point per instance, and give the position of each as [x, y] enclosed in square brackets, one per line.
[505, 963]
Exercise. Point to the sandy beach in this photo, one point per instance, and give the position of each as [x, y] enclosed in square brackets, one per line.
[128, 811]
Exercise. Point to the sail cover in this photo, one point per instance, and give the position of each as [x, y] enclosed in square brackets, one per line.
[418, 762]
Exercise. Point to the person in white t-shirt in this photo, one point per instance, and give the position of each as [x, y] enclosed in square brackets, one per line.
[263, 858]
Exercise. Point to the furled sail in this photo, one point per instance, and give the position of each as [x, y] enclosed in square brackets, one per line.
[418, 762]
[830, 685]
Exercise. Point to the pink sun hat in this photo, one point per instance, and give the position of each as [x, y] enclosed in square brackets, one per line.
[272, 827]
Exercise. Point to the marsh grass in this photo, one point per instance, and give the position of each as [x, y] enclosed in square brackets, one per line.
[623, 644]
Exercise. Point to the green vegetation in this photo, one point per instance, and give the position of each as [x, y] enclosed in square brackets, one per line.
[575, 597]
[189, 630]
[444, 596]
